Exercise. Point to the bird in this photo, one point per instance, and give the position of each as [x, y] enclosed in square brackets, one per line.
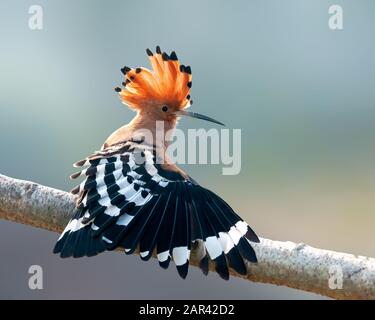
[133, 197]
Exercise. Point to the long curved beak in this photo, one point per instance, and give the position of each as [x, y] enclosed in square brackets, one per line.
[197, 116]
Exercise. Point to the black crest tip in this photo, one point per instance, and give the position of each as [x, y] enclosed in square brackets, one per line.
[173, 56]
[158, 51]
[149, 52]
[125, 70]
[165, 56]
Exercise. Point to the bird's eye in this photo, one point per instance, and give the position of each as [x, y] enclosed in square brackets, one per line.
[165, 108]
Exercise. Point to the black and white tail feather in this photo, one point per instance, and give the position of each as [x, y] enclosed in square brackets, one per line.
[127, 200]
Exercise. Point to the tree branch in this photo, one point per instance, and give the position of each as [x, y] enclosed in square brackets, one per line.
[288, 264]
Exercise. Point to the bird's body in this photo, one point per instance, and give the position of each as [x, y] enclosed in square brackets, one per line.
[133, 196]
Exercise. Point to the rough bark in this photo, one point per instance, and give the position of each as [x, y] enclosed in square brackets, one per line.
[288, 264]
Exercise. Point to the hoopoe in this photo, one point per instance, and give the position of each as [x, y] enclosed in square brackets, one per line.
[131, 200]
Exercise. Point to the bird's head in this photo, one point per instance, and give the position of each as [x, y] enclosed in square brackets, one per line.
[162, 93]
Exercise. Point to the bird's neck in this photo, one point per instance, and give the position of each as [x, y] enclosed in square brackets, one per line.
[150, 132]
[144, 125]
[155, 130]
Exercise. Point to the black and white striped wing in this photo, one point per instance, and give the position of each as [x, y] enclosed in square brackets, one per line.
[127, 200]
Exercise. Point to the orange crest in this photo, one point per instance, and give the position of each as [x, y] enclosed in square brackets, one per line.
[167, 83]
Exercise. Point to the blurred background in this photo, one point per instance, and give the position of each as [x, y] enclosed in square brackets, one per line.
[302, 94]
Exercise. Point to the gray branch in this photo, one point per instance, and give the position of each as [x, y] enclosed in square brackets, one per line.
[332, 274]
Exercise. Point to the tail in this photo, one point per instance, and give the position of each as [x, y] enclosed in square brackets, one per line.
[77, 239]
[184, 218]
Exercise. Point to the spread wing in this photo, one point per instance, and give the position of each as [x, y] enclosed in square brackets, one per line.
[128, 200]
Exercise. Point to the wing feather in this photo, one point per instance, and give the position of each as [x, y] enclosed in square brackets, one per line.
[128, 200]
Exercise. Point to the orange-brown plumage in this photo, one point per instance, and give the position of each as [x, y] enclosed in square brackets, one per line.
[134, 196]
[168, 83]
[149, 92]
